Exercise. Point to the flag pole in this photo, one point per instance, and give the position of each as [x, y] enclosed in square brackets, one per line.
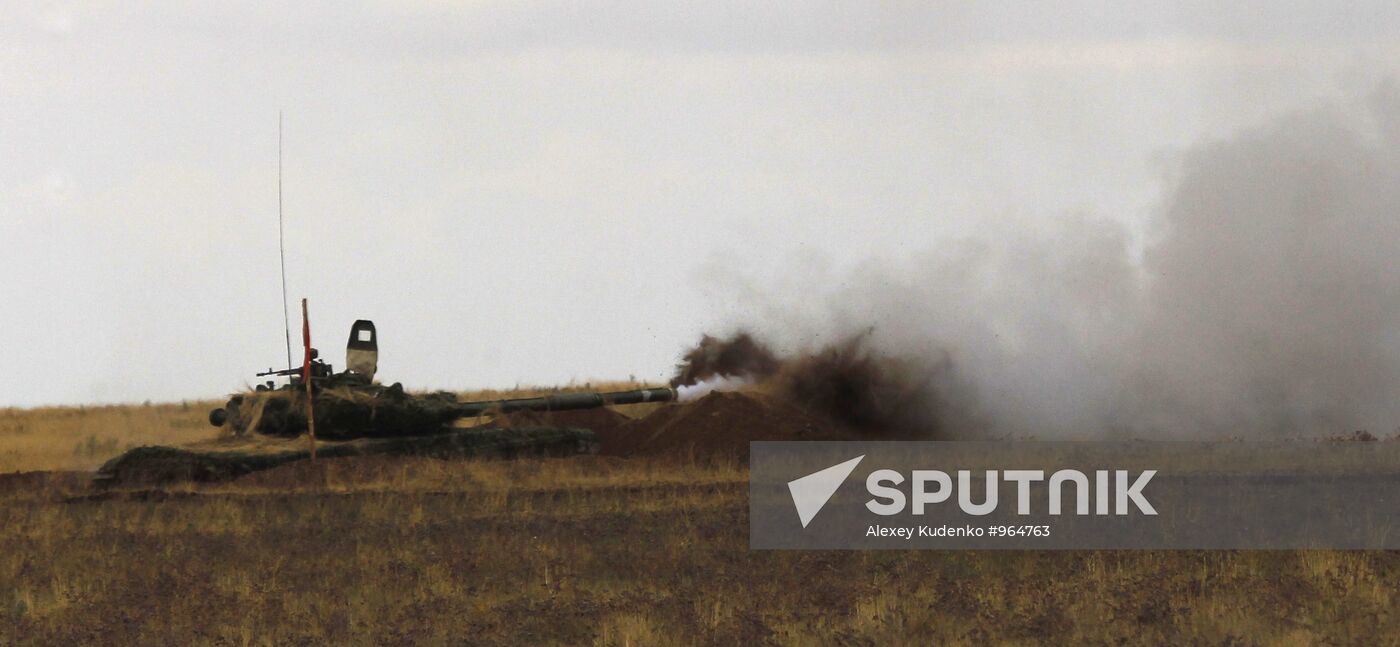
[306, 378]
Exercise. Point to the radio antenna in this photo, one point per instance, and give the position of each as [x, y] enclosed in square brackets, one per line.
[281, 246]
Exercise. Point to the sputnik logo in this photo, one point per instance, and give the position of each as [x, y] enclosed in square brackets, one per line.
[811, 492]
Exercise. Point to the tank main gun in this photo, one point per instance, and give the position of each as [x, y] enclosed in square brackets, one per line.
[565, 401]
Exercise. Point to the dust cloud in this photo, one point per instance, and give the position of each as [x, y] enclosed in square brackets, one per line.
[1262, 301]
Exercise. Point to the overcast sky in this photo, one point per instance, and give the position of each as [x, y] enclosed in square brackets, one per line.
[537, 192]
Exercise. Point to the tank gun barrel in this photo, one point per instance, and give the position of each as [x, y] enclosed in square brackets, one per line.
[564, 401]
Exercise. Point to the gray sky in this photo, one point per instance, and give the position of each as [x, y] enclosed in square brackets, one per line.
[540, 192]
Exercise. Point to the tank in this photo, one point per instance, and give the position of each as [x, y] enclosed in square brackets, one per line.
[350, 404]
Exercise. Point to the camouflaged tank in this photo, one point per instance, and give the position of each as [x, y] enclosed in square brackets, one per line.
[349, 404]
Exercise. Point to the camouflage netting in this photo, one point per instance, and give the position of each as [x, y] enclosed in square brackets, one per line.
[162, 465]
[343, 413]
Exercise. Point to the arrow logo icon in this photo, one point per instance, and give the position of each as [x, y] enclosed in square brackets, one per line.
[812, 491]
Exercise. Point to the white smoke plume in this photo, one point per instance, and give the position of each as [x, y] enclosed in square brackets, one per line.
[687, 393]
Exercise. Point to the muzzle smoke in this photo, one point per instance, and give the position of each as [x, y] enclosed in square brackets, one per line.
[1264, 302]
[846, 381]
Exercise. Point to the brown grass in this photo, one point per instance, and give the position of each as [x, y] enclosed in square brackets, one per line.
[590, 550]
[82, 438]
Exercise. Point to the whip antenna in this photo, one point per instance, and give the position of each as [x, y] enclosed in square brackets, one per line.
[281, 247]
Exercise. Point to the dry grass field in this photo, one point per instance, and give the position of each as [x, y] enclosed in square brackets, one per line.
[81, 438]
[587, 550]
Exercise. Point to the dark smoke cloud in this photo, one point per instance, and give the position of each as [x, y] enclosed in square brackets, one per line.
[739, 355]
[1265, 300]
[846, 381]
[852, 383]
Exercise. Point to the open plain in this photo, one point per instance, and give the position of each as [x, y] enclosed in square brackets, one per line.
[610, 550]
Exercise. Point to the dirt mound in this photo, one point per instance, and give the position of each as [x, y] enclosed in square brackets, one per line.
[162, 465]
[720, 423]
[154, 466]
[596, 420]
